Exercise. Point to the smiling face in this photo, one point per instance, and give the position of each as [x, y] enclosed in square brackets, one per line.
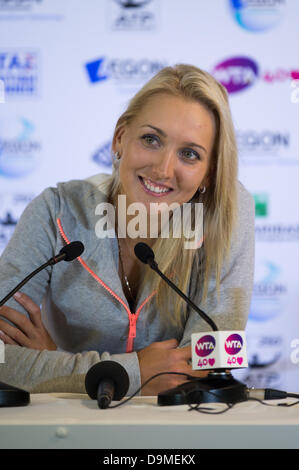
[165, 150]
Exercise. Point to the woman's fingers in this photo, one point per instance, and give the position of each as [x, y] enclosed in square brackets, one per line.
[165, 356]
[20, 320]
[29, 332]
[12, 334]
[6, 339]
[31, 307]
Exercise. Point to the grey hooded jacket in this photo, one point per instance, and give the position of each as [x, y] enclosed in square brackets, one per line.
[83, 304]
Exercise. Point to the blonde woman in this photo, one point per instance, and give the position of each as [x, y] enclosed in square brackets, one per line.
[174, 144]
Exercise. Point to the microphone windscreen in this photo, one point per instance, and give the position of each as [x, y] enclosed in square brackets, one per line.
[107, 370]
[144, 253]
[72, 250]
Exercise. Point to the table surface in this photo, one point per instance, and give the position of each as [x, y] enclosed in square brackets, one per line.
[61, 420]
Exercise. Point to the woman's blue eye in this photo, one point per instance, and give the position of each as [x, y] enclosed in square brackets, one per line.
[190, 154]
[150, 139]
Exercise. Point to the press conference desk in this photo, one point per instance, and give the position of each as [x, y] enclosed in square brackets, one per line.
[70, 421]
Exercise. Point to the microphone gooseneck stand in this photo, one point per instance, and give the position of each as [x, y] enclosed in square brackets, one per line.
[13, 396]
[219, 385]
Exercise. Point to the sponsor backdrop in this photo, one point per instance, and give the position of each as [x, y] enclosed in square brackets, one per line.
[68, 69]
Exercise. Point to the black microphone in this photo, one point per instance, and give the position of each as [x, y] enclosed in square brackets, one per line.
[106, 381]
[13, 396]
[145, 254]
[219, 385]
[67, 253]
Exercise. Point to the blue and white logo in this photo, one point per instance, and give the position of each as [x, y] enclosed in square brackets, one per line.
[123, 71]
[269, 292]
[20, 72]
[102, 156]
[258, 15]
[95, 70]
[19, 150]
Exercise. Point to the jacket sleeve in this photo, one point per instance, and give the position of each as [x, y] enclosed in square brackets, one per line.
[33, 242]
[230, 308]
[57, 371]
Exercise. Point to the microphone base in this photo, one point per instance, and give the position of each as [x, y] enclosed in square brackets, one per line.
[217, 387]
[13, 396]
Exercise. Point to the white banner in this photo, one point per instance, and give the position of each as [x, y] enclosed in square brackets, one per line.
[68, 69]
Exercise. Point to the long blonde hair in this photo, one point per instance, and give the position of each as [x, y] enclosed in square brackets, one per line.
[219, 200]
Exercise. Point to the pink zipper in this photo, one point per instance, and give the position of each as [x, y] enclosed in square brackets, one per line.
[133, 317]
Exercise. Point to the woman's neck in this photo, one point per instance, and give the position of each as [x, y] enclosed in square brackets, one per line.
[126, 226]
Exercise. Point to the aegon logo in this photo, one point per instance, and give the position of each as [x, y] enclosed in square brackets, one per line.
[258, 15]
[123, 70]
[205, 346]
[19, 150]
[233, 344]
[236, 74]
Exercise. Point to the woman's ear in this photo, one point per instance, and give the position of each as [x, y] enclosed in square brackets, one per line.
[205, 182]
[117, 142]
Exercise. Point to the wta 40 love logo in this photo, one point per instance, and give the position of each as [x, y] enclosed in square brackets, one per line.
[233, 345]
[220, 349]
[204, 347]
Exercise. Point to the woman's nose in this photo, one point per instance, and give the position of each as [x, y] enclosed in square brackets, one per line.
[164, 166]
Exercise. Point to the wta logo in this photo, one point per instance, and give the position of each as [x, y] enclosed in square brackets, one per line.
[240, 73]
[233, 344]
[205, 346]
[237, 73]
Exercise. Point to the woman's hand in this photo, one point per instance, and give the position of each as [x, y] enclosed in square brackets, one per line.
[165, 356]
[29, 332]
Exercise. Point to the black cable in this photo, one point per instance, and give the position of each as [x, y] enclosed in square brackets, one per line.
[292, 395]
[191, 407]
[288, 404]
[269, 394]
[189, 377]
[231, 405]
[204, 409]
[289, 395]
[213, 411]
[262, 402]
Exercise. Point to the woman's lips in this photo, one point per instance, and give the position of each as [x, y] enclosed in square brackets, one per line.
[154, 188]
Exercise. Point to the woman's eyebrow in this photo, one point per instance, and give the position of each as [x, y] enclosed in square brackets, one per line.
[156, 129]
[162, 133]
